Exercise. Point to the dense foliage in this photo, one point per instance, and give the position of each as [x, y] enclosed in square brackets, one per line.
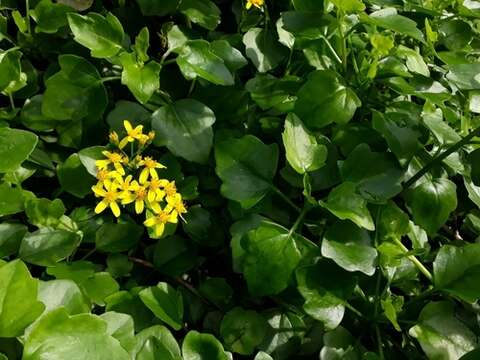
[297, 179]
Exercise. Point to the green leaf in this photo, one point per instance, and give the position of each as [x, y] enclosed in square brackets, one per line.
[246, 167]
[388, 18]
[464, 76]
[344, 202]
[58, 336]
[217, 290]
[263, 49]
[99, 286]
[63, 294]
[243, 330]
[44, 212]
[15, 147]
[102, 35]
[439, 194]
[377, 176]
[474, 158]
[325, 99]
[11, 76]
[156, 343]
[444, 134]
[350, 247]
[142, 43]
[197, 346]
[185, 128]
[119, 265]
[303, 152]
[232, 57]
[11, 235]
[120, 326]
[325, 288]
[19, 306]
[130, 303]
[142, 79]
[349, 6]
[68, 174]
[202, 12]
[11, 200]
[32, 117]
[197, 59]
[119, 237]
[263, 356]
[47, 246]
[50, 16]
[165, 302]
[89, 155]
[269, 249]
[74, 92]
[457, 270]
[440, 334]
[132, 111]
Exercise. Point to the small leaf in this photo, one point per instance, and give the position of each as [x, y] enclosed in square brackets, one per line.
[263, 49]
[202, 12]
[114, 238]
[15, 147]
[142, 79]
[185, 127]
[68, 174]
[345, 203]
[303, 152]
[63, 294]
[102, 35]
[388, 18]
[246, 167]
[165, 302]
[197, 346]
[156, 343]
[11, 200]
[11, 236]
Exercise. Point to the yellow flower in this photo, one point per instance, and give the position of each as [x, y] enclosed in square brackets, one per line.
[154, 191]
[169, 187]
[175, 205]
[132, 133]
[143, 139]
[125, 185]
[114, 158]
[108, 190]
[138, 195]
[149, 168]
[151, 135]
[113, 136]
[159, 220]
[257, 3]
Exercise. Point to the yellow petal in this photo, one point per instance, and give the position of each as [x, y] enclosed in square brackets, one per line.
[98, 190]
[102, 205]
[249, 5]
[144, 176]
[173, 218]
[128, 199]
[159, 228]
[115, 209]
[151, 196]
[119, 168]
[149, 222]
[123, 143]
[139, 206]
[102, 164]
[160, 194]
[127, 126]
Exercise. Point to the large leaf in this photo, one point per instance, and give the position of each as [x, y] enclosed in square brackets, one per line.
[302, 150]
[19, 306]
[325, 288]
[388, 18]
[439, 194]
[58, 336]
[345, 203]
[63, 293]
[156, 343]
[102, 35]
[263, 49]
[350, 247]
[15, 147]
[325, 99]
[457, 271]
[246, 167]
[11, 236]
[441, 334]
[271, 256]
[185, 127]
[202, 12]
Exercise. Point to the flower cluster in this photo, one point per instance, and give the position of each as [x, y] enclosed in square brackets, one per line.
[124, 180]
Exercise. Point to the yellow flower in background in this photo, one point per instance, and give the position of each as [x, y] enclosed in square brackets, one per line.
[150, 167]
[154, 190]
[175, 205]
[159, 220]
[257, 3]
[108, 190]
[132, 134]
[113, 158]
[138, 195]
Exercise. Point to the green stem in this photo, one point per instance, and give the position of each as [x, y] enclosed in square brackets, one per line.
[379, 341]
[110, 78]
[87, 255]
[355, 311]
[415, 261]
[171, 61]
[343, 42]
[332, 50]
[286, 199]
[375, 314]
[298, 221]
[12, 103]
[27, 5]
[438, 159]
